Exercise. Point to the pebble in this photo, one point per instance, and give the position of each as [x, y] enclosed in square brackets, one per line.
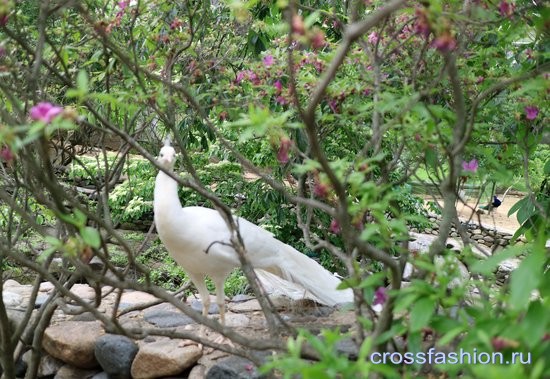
[115, 355]
[213, 309]
[166, 319]
[233, 368]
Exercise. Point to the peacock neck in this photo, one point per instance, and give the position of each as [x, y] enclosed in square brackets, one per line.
[166, 194]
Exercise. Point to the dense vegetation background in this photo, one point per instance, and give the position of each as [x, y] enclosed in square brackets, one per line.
[313, 119]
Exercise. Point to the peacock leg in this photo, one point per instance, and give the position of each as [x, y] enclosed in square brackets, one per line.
[220, 299]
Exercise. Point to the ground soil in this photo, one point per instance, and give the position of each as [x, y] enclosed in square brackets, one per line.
[497, 219]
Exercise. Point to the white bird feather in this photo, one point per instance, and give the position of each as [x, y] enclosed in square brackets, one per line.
[199, 241]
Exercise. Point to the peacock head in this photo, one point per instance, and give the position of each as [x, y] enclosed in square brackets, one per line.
[167, 157]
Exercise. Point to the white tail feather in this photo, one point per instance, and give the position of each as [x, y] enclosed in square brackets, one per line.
[299, 277]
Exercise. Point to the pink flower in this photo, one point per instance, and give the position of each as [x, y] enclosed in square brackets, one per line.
[176, 23]
[506, 9]
[6, 154]
[278, 86]
[318, 40]
[373, 38]
[531, 112]
[282, 154]
[334, 227]
[298, 26]
[281, 100]
[480, 79]
[444, 43]
[268, 60]
[123, 4]
[45, 112]
[240, 76]
[422, 25]
[333, 105]
[380, 296]
[471, 166]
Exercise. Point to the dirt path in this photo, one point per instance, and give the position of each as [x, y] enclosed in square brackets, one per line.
[498, 218]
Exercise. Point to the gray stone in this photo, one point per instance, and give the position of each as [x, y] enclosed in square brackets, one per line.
[101, 375]
[12, 299]
[233, 368]
[213, 309]
[241, 298]
[40, 300]
[48, 365]
[247, 306]
[167, 319]
[348, 347]
[115, 354]
[69, 372]
[488, 239]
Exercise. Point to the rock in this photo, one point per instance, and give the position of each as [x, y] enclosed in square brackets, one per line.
[69, 372]
[348, 347]
[508, 265]
[115, 354]
[197, 305]
[476, 231]
[247, 306]
[12, 299]
[48, 365]
[233, 368]
[197, 372]
[16, 317]
[477, 237]
[236, 320]
[73, 342]
[241, 298]
[489, 239]
[101, 375]
[163, 358]
[83, 291]
[136, 297]
[46, 287]
[167, 319]
[40, 300]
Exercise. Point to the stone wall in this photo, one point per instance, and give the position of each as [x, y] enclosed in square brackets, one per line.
[487, 236]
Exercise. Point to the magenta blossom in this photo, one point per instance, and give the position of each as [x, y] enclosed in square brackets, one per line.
[380, 296]
[6, 154]
[471, 166]
[506, 9]
[45, 112]
[373, 38]
[278, 86]
[334, 227]
[282, 154]
[444, 43]
[268, 60]
[531, 112]
[123, 4]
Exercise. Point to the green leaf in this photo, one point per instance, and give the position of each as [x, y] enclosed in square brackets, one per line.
[535, 324]
[487, 266]
[526, 278]
[421, 313]
[82, 82]
[91, 237]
